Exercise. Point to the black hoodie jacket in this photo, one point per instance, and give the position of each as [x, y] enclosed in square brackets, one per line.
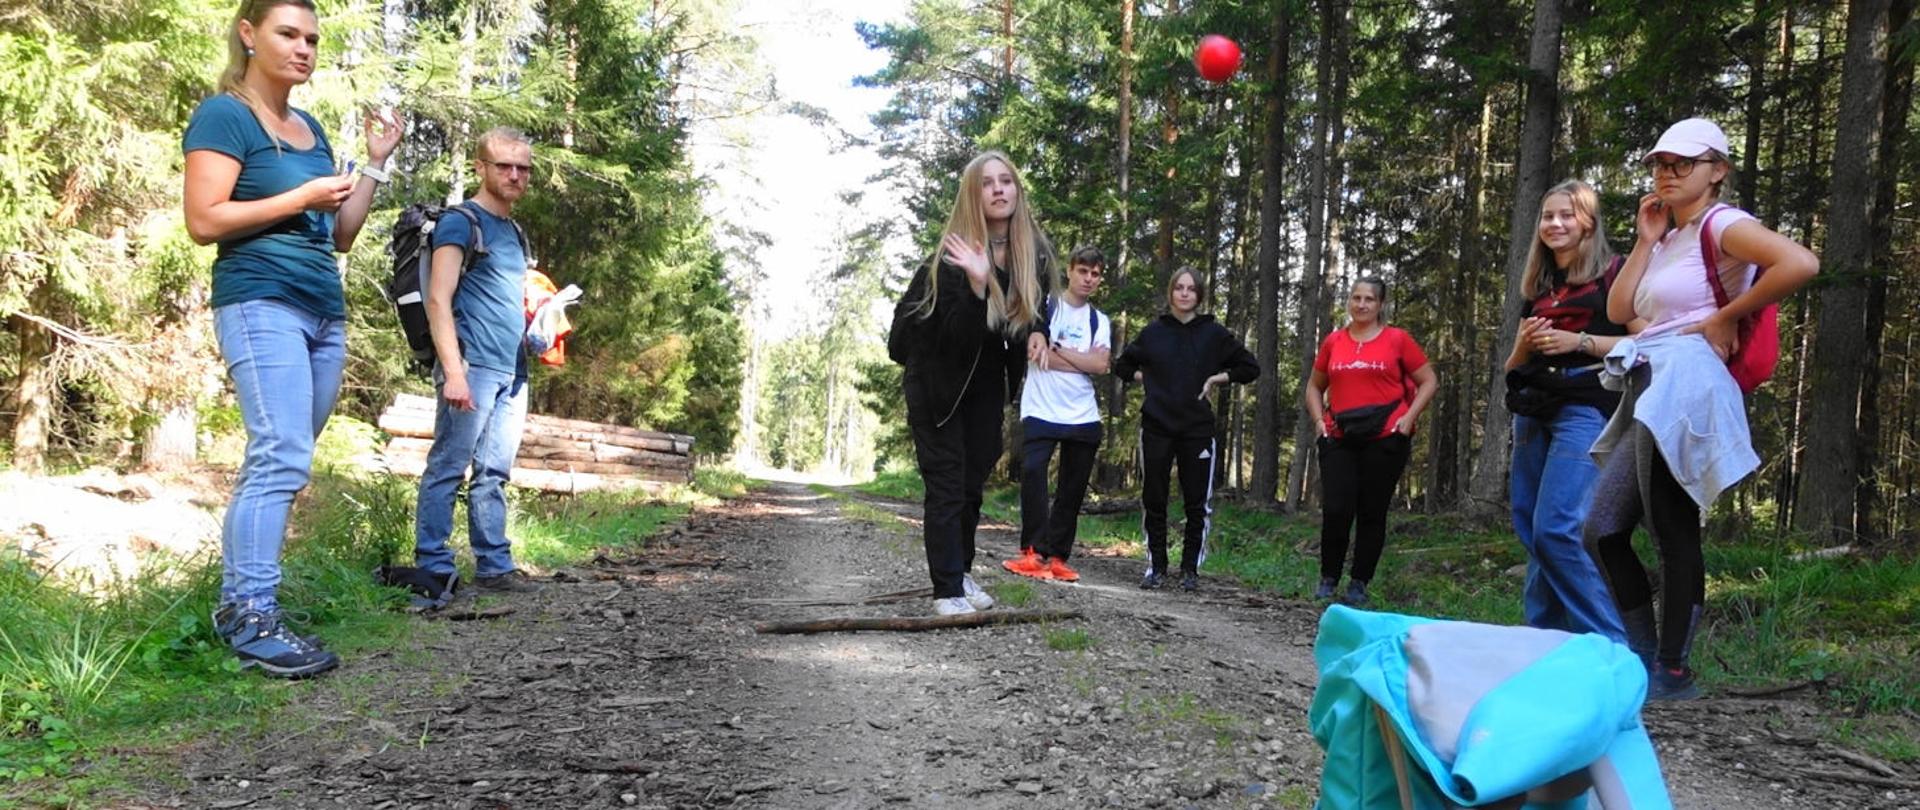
[951, 349]
[1178, 358]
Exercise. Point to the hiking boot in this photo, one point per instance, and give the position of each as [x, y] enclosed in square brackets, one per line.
[515, 581]
[971, 592]
[1028, 564]
[1356, 595]
[1325, 591]
[1189, 581]
[1672, 683]
[1151, 582]
[1057, 569]
[259, 639]
[952, 606]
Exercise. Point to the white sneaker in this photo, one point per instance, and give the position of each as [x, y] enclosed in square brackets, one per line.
[952, 606]
[974, 596]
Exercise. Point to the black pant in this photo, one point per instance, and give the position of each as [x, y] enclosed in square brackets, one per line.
[1635, 485]
[1050, 532]
[955, 459]
[1357, 477]
[1194, 454]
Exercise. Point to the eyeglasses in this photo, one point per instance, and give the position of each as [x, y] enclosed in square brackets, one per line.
[510, 169]
[1677, 168]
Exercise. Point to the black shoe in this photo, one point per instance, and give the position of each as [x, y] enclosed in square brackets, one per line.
[260, 640]
[515, 581]
[1189, 581]
[1325, 591]
[1151, 582]
[1667, 683]
[1356, 594]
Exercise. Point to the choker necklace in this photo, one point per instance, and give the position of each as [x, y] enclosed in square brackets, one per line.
[997, 242]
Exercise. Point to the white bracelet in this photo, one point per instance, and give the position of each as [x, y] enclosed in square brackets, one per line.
[374, 173]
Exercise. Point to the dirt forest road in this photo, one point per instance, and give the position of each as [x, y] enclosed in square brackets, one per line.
[641, 683]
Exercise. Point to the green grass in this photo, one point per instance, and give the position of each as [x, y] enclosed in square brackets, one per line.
[901, 485]
[99, 680]
[1012, 593]
[1072, 639]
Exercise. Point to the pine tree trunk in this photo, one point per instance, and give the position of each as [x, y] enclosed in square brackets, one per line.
[1109, 473]
[1487, 490]
[1832, 476]
[1273, 159]
[1871, 520]
[33, 391]
[1312, 281]
[171, 442]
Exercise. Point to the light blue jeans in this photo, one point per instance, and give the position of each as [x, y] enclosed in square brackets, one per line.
[286, 365]
[1552, 484]
[486, 439]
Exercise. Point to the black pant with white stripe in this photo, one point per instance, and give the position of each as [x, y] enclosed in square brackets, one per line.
[1194, 456]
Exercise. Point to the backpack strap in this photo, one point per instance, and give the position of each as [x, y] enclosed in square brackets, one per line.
[476, 239]
[1613, 269]
[1711, 256]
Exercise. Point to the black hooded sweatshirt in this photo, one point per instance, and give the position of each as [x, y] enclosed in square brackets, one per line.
[952, 349]
[1178, 359]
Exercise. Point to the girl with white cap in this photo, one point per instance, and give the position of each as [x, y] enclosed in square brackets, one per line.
[1680, 436]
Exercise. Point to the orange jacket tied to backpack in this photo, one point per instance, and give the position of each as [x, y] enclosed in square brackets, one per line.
[547, 324]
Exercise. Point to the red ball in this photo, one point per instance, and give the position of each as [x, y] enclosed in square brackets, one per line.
[1217, 58]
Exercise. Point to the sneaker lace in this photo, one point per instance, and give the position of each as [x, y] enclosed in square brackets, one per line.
[272, 627]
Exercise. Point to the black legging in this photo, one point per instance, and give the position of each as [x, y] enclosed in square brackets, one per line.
[1357, 477]
[1636, 483]
[955, 459]
[1194, 455]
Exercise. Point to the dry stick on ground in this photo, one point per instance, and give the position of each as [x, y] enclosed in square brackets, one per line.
[913, 624]
[1858, 779]
[876, 599]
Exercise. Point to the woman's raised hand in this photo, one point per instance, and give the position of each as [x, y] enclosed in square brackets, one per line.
[327, 192]
[1650, 221]
[971, 258]
[383, 134]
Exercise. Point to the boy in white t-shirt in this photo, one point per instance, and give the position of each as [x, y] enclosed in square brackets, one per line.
[1058, 408]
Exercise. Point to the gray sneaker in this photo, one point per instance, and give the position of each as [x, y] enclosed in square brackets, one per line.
[515, 581]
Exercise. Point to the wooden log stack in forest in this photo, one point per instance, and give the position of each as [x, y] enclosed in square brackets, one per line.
[556, 455]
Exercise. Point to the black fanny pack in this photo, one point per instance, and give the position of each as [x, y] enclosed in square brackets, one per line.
[1364, 422]
[1526, 396]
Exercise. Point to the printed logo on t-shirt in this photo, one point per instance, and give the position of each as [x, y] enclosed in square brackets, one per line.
[1362, 365]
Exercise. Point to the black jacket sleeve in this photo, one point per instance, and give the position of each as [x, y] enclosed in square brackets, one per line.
[1240, 364]
[958, 320]
[1132, 358]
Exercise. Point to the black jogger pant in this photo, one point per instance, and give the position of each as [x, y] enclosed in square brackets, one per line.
[1357, 477]
[1194, 456]
[1636, 484]
[1050, 531]
[955, 459]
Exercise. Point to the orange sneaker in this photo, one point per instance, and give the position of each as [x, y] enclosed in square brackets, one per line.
[1028, 564]
[1057, 569]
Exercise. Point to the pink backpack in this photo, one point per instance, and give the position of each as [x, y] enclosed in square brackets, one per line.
[1759, 333]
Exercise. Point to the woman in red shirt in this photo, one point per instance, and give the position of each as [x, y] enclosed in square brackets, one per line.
[1358, 396]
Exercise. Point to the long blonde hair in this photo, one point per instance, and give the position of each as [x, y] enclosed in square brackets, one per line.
[1593, 252]
[1028, 252]
[233, 80]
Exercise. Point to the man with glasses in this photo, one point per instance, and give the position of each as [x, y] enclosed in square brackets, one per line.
[1058, 407]
[474, 309]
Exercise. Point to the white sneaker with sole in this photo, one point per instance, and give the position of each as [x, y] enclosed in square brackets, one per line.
[974, 596]
[952, 606]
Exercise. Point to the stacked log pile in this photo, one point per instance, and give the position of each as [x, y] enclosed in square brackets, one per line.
[556, 455]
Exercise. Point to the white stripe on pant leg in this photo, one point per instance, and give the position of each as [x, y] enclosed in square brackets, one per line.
[1140, 447]
[1206, 520]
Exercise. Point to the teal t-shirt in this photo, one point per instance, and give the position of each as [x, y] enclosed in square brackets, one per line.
[489, 313]
[290, 260]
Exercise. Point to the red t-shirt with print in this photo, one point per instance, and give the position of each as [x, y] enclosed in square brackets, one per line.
[1370, 373]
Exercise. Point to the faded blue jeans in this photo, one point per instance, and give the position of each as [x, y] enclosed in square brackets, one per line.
[486, 439]
[1552, 485]
[286, 365]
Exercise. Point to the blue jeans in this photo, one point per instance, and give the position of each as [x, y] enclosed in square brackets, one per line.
[1552, 486]
[486, 439]
[286, 365]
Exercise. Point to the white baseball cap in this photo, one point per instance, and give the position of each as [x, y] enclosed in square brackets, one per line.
[1691, 138]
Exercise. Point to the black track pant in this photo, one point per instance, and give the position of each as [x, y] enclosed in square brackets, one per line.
[1635, 485]
[1195, 457]
[1357, 478]
[1050, 531]
[955, 459]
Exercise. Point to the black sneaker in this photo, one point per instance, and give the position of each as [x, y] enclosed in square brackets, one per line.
[1666, 683]
[1189, 581]
[515, 581]
[260, 640]
[1356, 595]
[1150, 582]
[1325, 591]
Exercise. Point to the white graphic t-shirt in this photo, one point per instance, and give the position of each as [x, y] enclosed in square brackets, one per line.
[1065, 397]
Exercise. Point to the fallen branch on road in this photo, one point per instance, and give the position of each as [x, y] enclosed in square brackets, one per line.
[913, 624]
[1858, 779]
[876, 599]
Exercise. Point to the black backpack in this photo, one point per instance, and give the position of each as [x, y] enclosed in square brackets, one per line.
[411, 251]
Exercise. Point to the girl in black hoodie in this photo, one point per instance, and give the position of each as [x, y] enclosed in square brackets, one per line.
[969, 322]
[1180, 357]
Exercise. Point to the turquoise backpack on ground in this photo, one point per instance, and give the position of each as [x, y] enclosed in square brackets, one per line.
[1421, 714]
